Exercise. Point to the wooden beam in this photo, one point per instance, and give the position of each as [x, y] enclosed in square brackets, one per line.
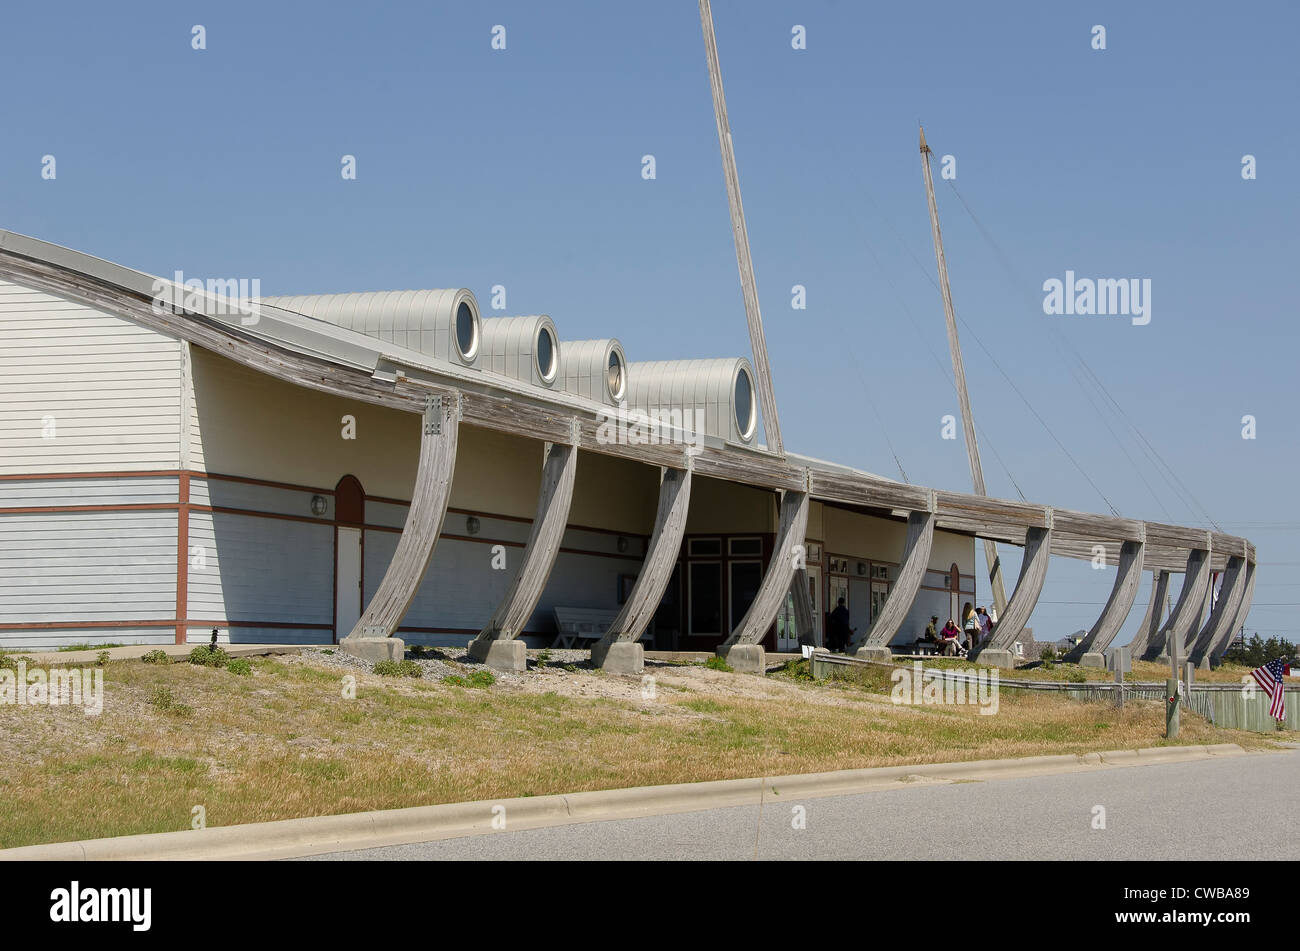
[507, 406]
[438, 433]
[1128, 576]
[754, 317]
[959, 378]
[1217, 648]
[791, 531]
[553, 500]
[1146, 639]
[804, 622]
[660, 559]
[1033, 572]
[1224, 612]
[911, 572]
[1190, 602]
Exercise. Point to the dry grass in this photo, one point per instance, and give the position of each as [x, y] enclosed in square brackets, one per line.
[284, 742]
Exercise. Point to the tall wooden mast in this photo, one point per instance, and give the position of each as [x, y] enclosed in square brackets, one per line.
[959, 375]
[758, 344]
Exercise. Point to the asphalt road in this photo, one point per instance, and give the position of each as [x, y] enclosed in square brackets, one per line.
[1205, 809]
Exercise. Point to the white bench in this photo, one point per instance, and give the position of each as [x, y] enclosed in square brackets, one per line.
[575, 625]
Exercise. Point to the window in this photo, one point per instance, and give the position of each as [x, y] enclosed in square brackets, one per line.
[546, 355]
[706, 597]
[744, 404]
[745, 546]
[617, 381]
[466, 331]
[746, 576]
[706, 547]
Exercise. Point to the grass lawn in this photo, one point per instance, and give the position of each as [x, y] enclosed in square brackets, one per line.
[284, 742]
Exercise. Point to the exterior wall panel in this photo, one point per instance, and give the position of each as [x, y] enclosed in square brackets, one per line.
[82, 390]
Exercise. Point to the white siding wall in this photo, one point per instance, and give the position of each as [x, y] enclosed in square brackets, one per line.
[86, 566]
[110, 389]
[261, 569]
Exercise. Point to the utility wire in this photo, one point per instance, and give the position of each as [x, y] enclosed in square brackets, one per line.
[944, 371]
[1160, 461]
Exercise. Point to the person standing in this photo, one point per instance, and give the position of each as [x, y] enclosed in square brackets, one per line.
[840, 630]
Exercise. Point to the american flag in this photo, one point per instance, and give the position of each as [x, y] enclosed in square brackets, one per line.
[1272, 677]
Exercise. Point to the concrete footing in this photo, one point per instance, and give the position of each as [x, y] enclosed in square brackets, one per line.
[881, 655]
[996, 657]
[1093, 659]
[374, 648]
[621, 657]
[508, 655]
[745, 658]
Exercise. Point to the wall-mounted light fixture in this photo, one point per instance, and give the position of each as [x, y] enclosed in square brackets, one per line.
[622, 543]
[318, 505]
[472, 525]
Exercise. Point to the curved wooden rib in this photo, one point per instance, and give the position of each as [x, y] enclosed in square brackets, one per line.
[1144, 640]
[660, 558]
[439, 429]
[553, 500]
[1128, 576]
[1224, 611]
[916, 557]
[1191, 600]
[780, 570]
[1033, 572]
[1238, 618]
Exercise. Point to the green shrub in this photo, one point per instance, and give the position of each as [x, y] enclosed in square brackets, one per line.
[718, 663]
[1047, 654]
[480, 678]
[398, 668]
[155, 657]
[239, 665]
[206, 656]
[543, 658]
[103, 658]
[162, 699]
[418, 650]
[85, 647]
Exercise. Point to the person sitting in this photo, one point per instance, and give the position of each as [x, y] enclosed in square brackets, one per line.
[951, 635]
[930, 638]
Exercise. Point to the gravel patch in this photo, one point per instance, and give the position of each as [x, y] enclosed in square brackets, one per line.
[440, 662]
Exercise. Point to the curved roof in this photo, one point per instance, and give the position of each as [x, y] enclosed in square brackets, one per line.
[428, 321]
[718, 393]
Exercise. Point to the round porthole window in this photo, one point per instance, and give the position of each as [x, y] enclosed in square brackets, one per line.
[744, 404]
[546, 362]
[466, 331]
[617, 380]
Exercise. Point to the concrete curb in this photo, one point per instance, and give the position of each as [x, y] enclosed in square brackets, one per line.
[291, 838]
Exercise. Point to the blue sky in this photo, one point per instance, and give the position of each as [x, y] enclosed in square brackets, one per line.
[522, 167]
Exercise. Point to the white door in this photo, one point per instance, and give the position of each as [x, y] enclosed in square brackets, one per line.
[787, 636]
[347, 582]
